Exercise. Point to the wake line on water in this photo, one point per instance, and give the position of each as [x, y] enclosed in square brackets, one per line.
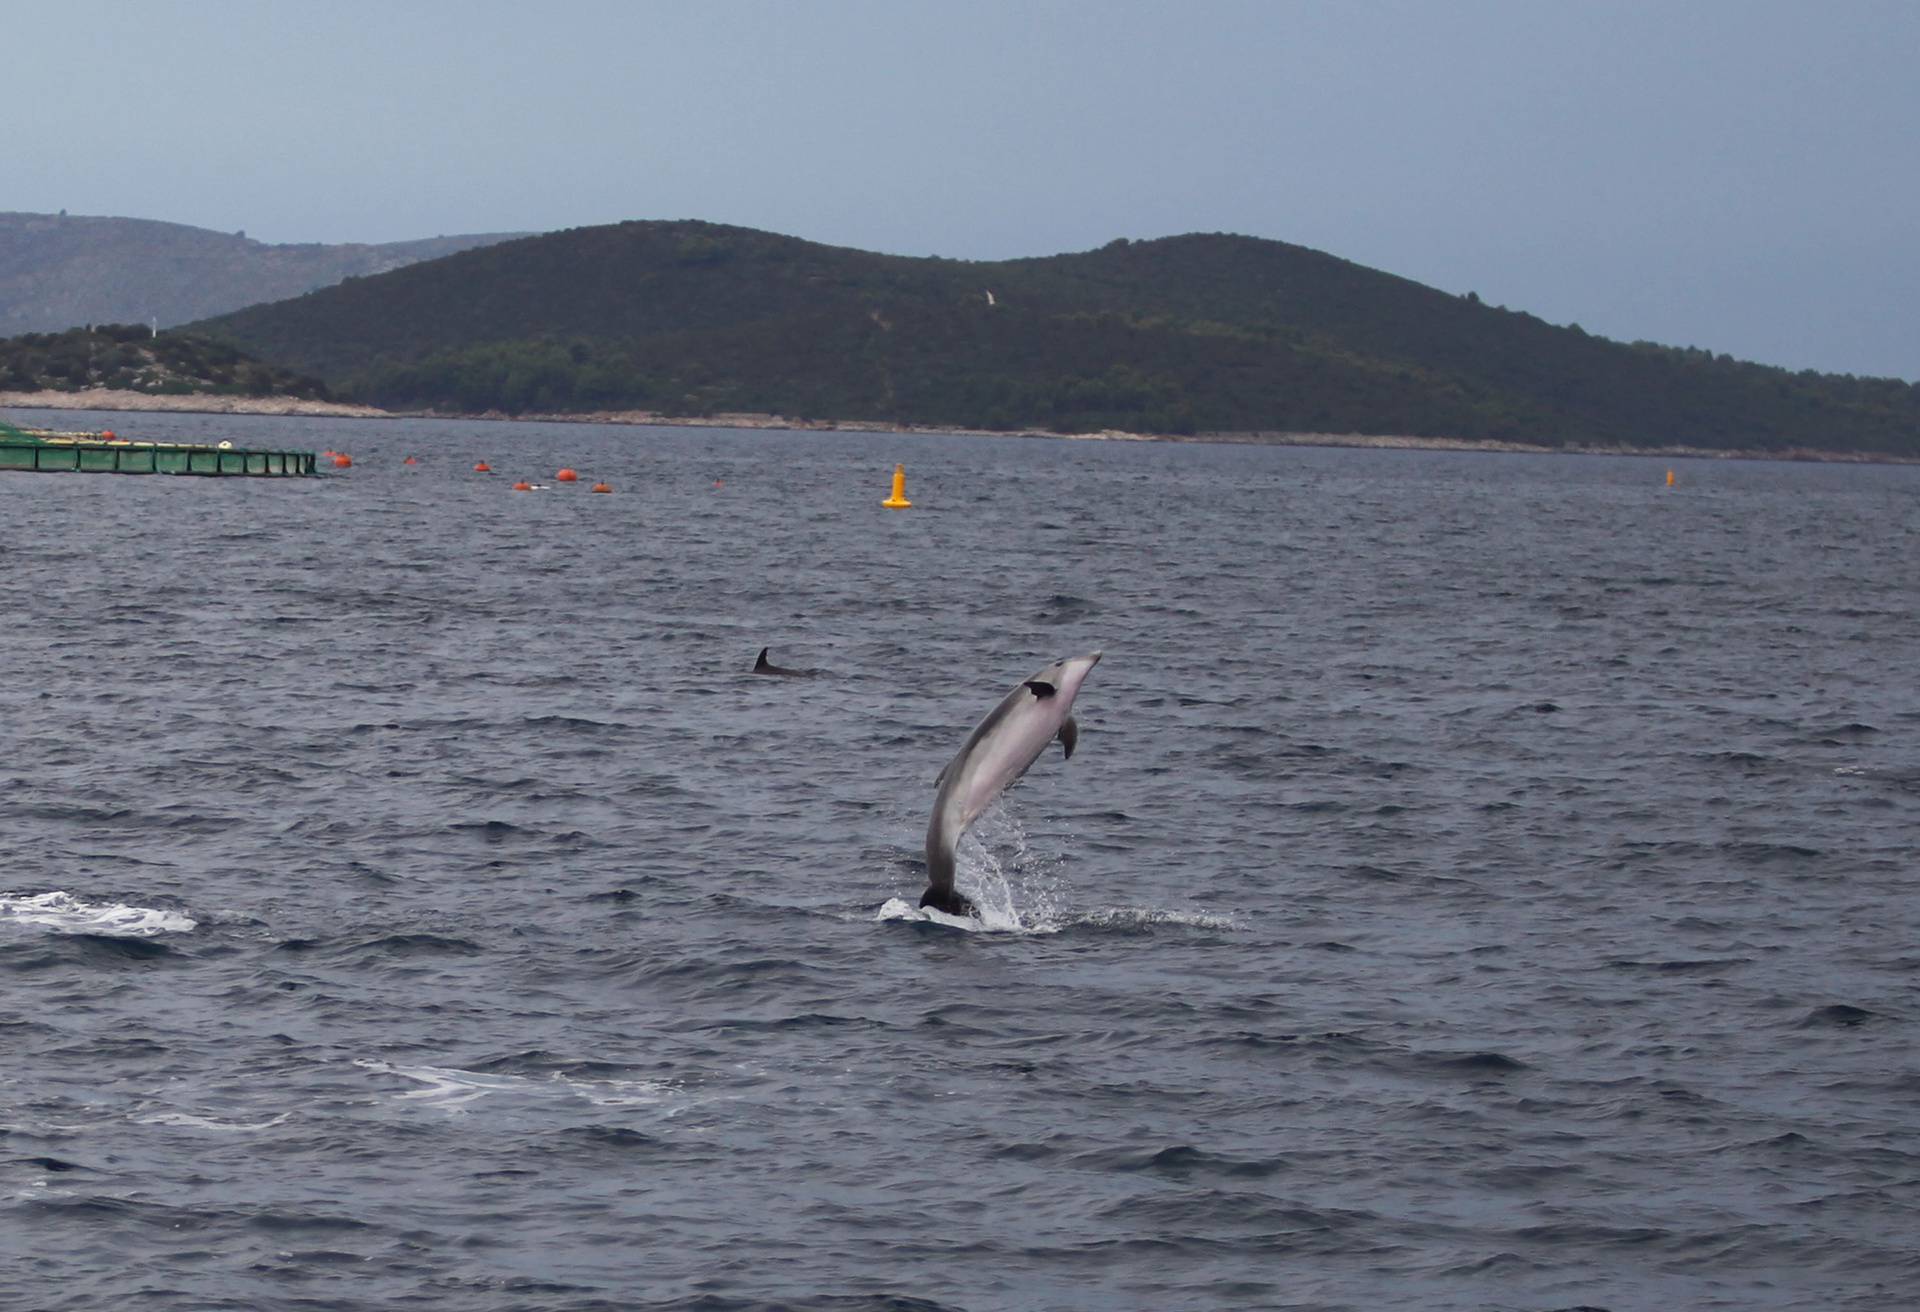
[63, 913]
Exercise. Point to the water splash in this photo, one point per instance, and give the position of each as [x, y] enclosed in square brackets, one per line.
[1018, 891]
[63, 913]
[1013, 890]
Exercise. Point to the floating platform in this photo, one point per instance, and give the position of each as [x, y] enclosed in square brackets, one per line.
[39, 451]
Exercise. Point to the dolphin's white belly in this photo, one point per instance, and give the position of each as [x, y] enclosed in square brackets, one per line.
[996, 765]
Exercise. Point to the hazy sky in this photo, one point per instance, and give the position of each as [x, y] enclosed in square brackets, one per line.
[1742, 175]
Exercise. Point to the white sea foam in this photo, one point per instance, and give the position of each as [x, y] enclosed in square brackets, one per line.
[187, 1120]
[992, 918]
[899, 909]
[444, 1087]
[449, 1087]
[1149, 917]
[63, 913]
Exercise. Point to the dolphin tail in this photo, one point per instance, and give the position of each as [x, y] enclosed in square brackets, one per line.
[941, 895]
[949, 900]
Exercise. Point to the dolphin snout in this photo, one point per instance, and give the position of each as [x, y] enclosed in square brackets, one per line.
[1075, 669]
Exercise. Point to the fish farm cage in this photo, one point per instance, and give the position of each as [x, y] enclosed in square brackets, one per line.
[37, 450]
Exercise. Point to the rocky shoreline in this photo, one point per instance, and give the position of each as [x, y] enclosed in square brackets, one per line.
[99, 398]
[201, 403]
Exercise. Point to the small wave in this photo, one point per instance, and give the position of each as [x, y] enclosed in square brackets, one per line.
[1679, 965]
[412, 944]
[1767, 854]
[493, 831]
[1840, 1014]
[101, 949]
[1181, 1161]
[1473, 1063]
[1063, 608]
[572, 723]
[53, 1164]
[63, 913]
[611, 1136]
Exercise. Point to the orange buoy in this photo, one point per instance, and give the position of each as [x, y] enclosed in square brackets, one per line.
[603, 487]
[523, 487]
[566, 476]
[411, 460]
[719, 483]
[342, 461]
[107, 435]
[483, 468]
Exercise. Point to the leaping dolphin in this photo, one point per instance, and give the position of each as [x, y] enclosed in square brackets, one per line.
[993, 758]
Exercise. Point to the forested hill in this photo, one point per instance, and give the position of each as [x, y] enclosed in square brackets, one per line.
[60, 271]
[1178, 335]
[127, 357]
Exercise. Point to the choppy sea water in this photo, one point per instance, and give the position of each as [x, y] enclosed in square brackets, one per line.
[1483, 881]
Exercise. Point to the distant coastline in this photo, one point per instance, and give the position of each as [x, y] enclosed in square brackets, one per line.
[199, 403]
[104, 399]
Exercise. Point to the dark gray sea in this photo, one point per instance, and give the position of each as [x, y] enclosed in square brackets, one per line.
[1483, 882]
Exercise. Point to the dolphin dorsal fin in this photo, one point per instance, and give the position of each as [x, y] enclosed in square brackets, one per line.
[1041, 689]
[1069, 736]
[763, 662]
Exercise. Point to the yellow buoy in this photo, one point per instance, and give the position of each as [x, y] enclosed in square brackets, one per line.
[898, 501]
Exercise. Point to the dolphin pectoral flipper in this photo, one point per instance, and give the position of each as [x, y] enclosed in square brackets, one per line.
[1069, 736]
